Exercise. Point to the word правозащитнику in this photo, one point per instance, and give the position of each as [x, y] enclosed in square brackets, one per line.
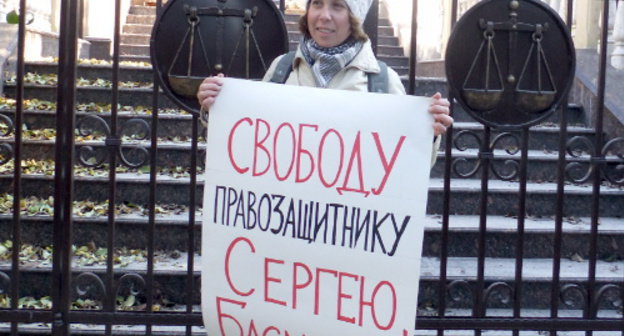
[326, 223]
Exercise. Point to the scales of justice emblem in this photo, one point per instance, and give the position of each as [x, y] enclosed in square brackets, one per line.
[510, 63]
[193, 39]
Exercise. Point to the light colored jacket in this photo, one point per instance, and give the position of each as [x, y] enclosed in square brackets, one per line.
[353, 77]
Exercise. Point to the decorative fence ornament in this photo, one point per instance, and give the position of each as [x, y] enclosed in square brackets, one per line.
[510, 63]
[193, 39]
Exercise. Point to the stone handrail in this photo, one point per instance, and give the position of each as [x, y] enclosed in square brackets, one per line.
[617, 56]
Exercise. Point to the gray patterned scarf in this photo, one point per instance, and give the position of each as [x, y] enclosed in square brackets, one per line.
[327, 62]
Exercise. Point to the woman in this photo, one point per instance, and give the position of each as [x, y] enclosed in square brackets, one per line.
[336, 53]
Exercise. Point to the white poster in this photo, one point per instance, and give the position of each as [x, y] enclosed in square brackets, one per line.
[314, 207]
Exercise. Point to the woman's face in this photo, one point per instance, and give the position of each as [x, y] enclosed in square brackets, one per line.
[328, 22]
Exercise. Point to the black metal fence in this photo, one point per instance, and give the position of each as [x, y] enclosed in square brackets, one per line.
[67, 282]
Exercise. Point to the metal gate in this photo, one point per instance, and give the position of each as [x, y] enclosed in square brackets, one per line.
[597, 301]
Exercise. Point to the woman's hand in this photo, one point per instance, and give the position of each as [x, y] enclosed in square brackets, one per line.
[209, 90]
[439, 109]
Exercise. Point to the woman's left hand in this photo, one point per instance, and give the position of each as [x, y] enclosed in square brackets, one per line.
[439, 109]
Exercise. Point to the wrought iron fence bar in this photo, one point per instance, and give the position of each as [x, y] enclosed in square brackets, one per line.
[26, 316]
[424, 323]
[496, 323]
[282, 5]
[191, 224]
[413, 49]
[17, 171]
[109, 304]
[64, 166]
[152, 204]
[484, 155]
[524, 158]
[622, 280]
[371, 24]
[136, 318]
[590, 307]
[558, 238]
[446, 207]
[570, 14]
[152, 191]
[561, 172]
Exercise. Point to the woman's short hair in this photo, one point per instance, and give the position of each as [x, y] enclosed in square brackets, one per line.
[356, 26]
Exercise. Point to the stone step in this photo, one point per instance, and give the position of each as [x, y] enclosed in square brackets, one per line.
[542, 155]
[140, 29]
[541, 167]
[541, 198]
[143, 96]
[385, 31]
[88, 71]
[171, 274]
[170, 154]
[465, 194]
[142, 10]
[542, 137]
[134, 73]
[134, 49]
[140, 39]
[171, 232]
[127, 96]
[388, 40]
[427, 86]
[393, 61]
[135, 58]
[386, 50]
[575, 116]
[143, 19]
[292, 26]
[169, 124]
[543, 140]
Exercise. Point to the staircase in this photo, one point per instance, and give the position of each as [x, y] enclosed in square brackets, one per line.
[174, 152]
[136, 32]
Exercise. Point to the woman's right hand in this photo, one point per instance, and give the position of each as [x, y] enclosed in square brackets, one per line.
[209, 90]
